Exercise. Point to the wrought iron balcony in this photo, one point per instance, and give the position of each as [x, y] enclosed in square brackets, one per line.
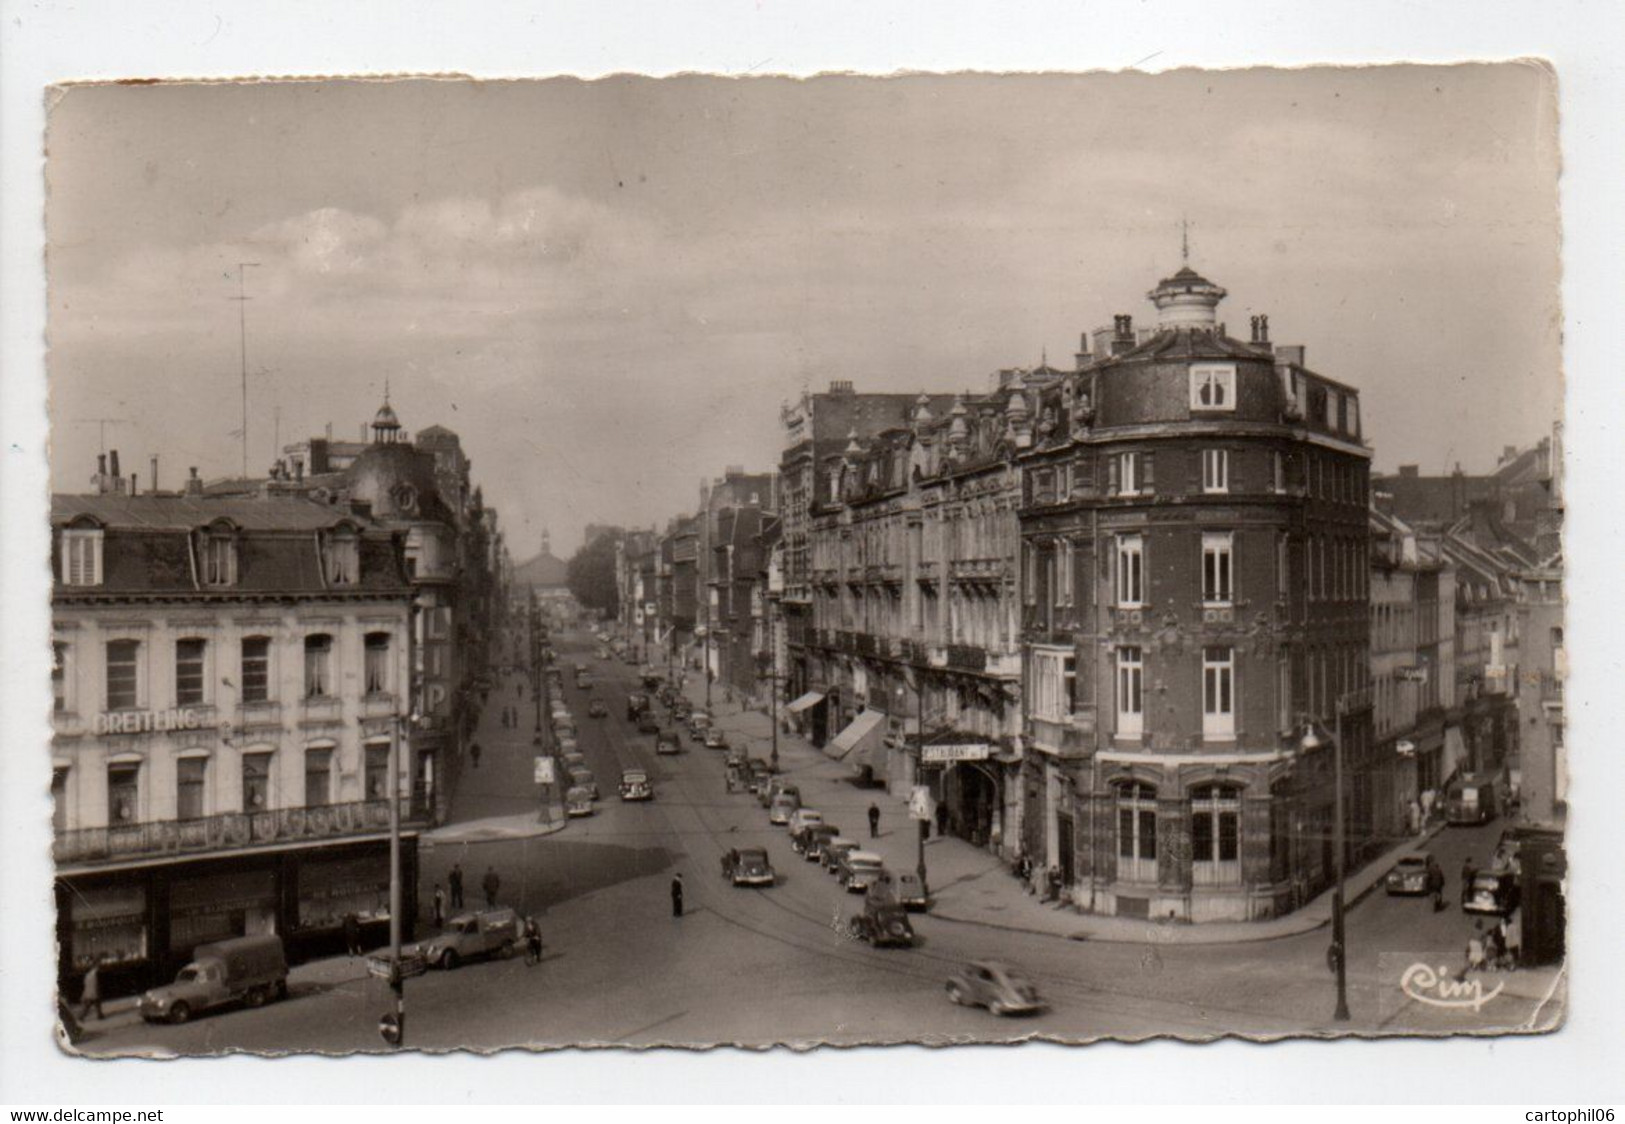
[227, 831]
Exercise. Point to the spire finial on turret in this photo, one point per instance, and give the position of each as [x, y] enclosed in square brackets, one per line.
[1184, 240]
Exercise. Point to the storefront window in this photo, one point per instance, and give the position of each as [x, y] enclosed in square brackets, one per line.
[328, 891]
[220, 906]
[108, 926]
[1216, 835]
[1136, 833]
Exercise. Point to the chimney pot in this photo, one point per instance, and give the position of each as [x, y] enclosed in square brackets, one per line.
[154, 484]
[132, 483]
[101, 464]
[112, 463]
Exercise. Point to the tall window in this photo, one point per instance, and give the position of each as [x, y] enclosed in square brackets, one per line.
[1029, 573]
[377, 663]
[189, 672]
[256, 669]
[1217, 570]
[377, 772]
[123, 793]
[1125, 470]
[81, 558]
[1215, 835]
[1064, 574]
[318, 666]
[256, 782]
[1129, 573]
[1213, 386]
[59, 678]
[318, 777]
[1278, 472]
[1136, 833]
[1054, 684]
[122, 678]
[343, 563]
[189, 775]
[1283, 567]
[1283, 692]
[219, 560]
[1215, 470]
[1218, 692]
[1129, 697]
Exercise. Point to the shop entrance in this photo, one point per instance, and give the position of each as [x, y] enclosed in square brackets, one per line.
[972, 798]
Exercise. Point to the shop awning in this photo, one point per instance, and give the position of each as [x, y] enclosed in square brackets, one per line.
[871, 753]
[805, 702]
[869, 724]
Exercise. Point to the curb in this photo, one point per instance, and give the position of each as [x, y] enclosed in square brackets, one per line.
[474, 834]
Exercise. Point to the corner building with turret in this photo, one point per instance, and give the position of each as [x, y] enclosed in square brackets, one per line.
[1194, 620]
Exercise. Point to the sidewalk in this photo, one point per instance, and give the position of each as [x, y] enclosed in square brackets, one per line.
[973, 886]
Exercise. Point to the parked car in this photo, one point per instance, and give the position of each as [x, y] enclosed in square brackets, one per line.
[666, 742]
[995, 985]
[635, 785]
[882, 922]
[250, 970]
[1409, 876]
[683, 710]
[648, 723]
[907, 889]
[783, 807]
[749, 867]
[808, 840]
[597, 709]
[761, 774]
[1495, 893]
[835, 850]
[715, 739]
[774, 787]
[470, 936]
[698, 723]
[578, 801]
[804, 817]
[858, 870]
[636, 704]
[573, 759]
[736, 758]
[581, 777]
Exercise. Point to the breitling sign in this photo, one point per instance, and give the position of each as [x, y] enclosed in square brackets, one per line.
[148, 721]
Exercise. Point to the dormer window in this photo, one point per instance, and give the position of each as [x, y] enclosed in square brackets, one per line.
[82, 557]
[219, 559]
[1213, 386]
[343, 558]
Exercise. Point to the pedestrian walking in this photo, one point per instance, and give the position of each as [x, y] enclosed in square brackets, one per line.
[90, 993]
[533, 942]
[1495, 944]
[439, 907]
[1513, 936]
[490, 884]
[1469, 871]
[874, 820]
[677, 895]
[1435, 883]
[942, 818]
[1052, 884]
[1475, 950]
[455, 881]
[352, 934]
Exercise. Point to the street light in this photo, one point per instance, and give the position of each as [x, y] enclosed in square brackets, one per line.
[924, 825]
[1339, 950]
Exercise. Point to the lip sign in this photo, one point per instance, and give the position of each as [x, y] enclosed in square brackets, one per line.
[1435, 988]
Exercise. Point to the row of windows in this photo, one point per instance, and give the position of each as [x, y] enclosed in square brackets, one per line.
[124, 785]
[125, 686]
[1218, 691]
[1215, 825]
[82, 550]
[1134, 473]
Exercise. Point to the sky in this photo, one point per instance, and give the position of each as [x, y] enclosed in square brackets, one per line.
[610, 288]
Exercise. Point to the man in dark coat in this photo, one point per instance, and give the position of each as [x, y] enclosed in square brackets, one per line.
[352, 934]
[1469, 871]
[455, 881]
[490, 884]
[874, 820]
[677, 895]
[942, 818]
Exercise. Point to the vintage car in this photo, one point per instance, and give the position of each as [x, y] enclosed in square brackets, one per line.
[667, 741]
[581, 777]
[761, 774]
[635, 785]
[578, 801]
[858, 870]
[882, 923]
[470, 936]
[907, 889]
[636, 704]
[715, 739]
[249, 970]
[573, 759]
[597, 709]
[803, 818]
[774, 788]
[1409, 876]
[995, 985]
[809, 841]
[835, 850]
[648, 723]
[1469, 800]
[682, 710]
[584, 683]
[784, 806]
[1492, 892]
[749, 867]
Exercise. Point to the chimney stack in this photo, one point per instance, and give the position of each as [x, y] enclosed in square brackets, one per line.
[1081, 357]
[112, 464]
[194, 486]
[154, 487]
[1261, 330]
[132, 483]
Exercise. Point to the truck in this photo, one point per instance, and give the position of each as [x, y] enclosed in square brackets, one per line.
[248, 970]
[470, 936]
[1470, 800]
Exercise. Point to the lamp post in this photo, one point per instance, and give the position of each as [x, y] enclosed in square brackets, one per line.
[708, 669]
[923, 825]
[773, 690]
[1339, 949]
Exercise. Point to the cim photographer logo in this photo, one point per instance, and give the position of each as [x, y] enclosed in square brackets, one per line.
[1435, 987]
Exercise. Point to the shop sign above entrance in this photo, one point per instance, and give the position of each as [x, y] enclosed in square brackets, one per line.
[966, 751]
[148, 721]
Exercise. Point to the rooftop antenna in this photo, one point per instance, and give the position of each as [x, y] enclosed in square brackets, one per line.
[103, 423]
[242, 298]
[1184, 240]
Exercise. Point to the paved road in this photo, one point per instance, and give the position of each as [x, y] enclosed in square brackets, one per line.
[768, 966]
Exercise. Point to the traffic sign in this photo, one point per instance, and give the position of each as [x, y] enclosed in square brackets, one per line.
[389, 1027]
[919, 804]
[544, 770]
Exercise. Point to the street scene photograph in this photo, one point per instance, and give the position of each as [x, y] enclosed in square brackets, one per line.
[940, 558]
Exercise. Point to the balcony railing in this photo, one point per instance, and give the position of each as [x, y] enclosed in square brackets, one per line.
[967, 657]
[224, 832]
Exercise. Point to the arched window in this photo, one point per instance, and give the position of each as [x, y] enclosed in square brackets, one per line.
[1216, 835]
[1136, 832]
